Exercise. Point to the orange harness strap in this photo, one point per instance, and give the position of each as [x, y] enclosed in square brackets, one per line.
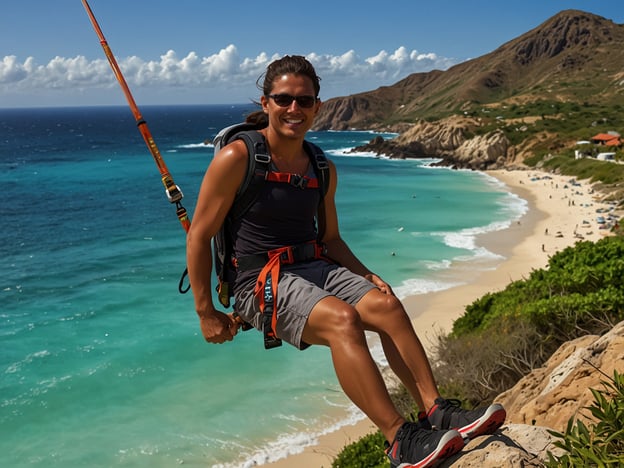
[266, 285]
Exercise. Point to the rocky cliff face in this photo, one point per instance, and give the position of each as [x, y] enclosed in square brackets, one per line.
[491, 151]
[546, 398]
[447, 140]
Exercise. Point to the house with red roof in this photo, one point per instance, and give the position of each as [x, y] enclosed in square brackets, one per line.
[607, 139]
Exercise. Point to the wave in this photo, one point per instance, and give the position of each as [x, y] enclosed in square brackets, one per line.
[347, 152]
[294, 443]
[196, 145]
[512, 208]
[417, 286]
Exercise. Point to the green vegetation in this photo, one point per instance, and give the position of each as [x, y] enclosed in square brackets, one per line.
[564, 121]
[586, 168]
[368, 452]
[507, 334]
[601, 443]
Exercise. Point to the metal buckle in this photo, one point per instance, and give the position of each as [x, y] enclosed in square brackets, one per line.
[262, 158]
[299, 181]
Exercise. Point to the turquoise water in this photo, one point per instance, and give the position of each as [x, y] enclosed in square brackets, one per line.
[102, 362]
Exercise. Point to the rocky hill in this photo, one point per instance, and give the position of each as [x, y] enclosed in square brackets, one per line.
[574, 57]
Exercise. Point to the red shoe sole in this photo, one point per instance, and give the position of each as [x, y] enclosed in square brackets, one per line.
[486, 424]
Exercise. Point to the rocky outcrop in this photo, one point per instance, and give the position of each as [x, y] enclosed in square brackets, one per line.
[447, 140]
[560, 389]
[514, 446]
[483, 152]
[546, 399]
[437, 138]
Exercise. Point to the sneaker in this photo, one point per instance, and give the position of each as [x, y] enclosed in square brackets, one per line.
[447, 414]
[414, 447]
[423, 421]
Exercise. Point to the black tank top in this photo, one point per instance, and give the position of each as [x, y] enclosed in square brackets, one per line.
[282, 215]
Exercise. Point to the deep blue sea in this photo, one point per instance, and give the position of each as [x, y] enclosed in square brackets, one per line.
[101, 358]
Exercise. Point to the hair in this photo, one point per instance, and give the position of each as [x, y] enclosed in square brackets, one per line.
[289, 64]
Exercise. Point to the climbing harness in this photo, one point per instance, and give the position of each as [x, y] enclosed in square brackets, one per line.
[258, 173]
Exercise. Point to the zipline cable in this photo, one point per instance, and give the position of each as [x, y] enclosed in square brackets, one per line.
[174, 194]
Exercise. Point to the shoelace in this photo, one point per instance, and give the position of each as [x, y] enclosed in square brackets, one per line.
[452, 404]
[453, 415]
[411, 437]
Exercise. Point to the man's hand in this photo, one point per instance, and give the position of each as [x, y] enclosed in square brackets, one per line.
[381, 284]
[218, 327]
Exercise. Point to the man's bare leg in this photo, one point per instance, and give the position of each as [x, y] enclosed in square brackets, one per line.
[385, 315]
[337, 325]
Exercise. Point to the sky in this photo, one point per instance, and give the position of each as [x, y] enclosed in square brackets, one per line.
[212, 52]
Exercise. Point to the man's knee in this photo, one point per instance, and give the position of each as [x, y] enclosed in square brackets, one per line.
[383, 304]
[338, 321]
[380, 310]
[348, 318]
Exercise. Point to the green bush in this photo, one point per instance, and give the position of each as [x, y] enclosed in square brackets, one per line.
[580, 292]
[366, 452]
[601, 443]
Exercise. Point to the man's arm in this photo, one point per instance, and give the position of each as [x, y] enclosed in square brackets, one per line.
[216, 196]
[337, 248]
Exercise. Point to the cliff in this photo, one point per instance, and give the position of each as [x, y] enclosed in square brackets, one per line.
[546, 399]
[447, 140]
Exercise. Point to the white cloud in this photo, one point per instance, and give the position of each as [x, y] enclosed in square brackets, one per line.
[11, 70]
[224, 72]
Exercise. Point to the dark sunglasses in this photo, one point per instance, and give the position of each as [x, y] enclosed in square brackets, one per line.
[285, 100]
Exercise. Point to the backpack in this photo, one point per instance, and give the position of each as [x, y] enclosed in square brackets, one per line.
[258, 168]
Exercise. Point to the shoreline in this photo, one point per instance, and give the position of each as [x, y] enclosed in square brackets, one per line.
[555, 220]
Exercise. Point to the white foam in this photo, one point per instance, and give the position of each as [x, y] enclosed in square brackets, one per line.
[437, 266]
[291, 444]
[347, 151]
[415, 286]
[196, 145]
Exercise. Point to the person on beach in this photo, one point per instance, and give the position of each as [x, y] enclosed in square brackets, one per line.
[323, 295]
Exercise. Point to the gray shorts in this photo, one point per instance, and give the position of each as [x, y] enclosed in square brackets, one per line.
[300, 288]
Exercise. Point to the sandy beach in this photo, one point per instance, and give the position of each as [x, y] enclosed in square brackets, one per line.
[560, 214]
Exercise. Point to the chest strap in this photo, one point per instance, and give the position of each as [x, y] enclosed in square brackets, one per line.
[296, 180]
[266, 284]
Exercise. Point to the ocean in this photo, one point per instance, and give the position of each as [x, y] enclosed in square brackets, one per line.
[102, 362]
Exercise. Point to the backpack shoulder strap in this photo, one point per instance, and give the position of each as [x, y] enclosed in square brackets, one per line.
[321, 169]
[319, 164]
[258, 165]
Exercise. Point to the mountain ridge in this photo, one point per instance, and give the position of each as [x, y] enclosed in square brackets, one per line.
[573, 56]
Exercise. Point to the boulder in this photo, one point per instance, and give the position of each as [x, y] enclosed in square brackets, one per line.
[546, 399]
[560, 389]
[515, 445]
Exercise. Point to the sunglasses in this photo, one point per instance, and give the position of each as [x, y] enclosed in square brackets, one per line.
[285, 100]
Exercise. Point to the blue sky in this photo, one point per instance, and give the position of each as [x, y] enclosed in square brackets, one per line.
[212, 52]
